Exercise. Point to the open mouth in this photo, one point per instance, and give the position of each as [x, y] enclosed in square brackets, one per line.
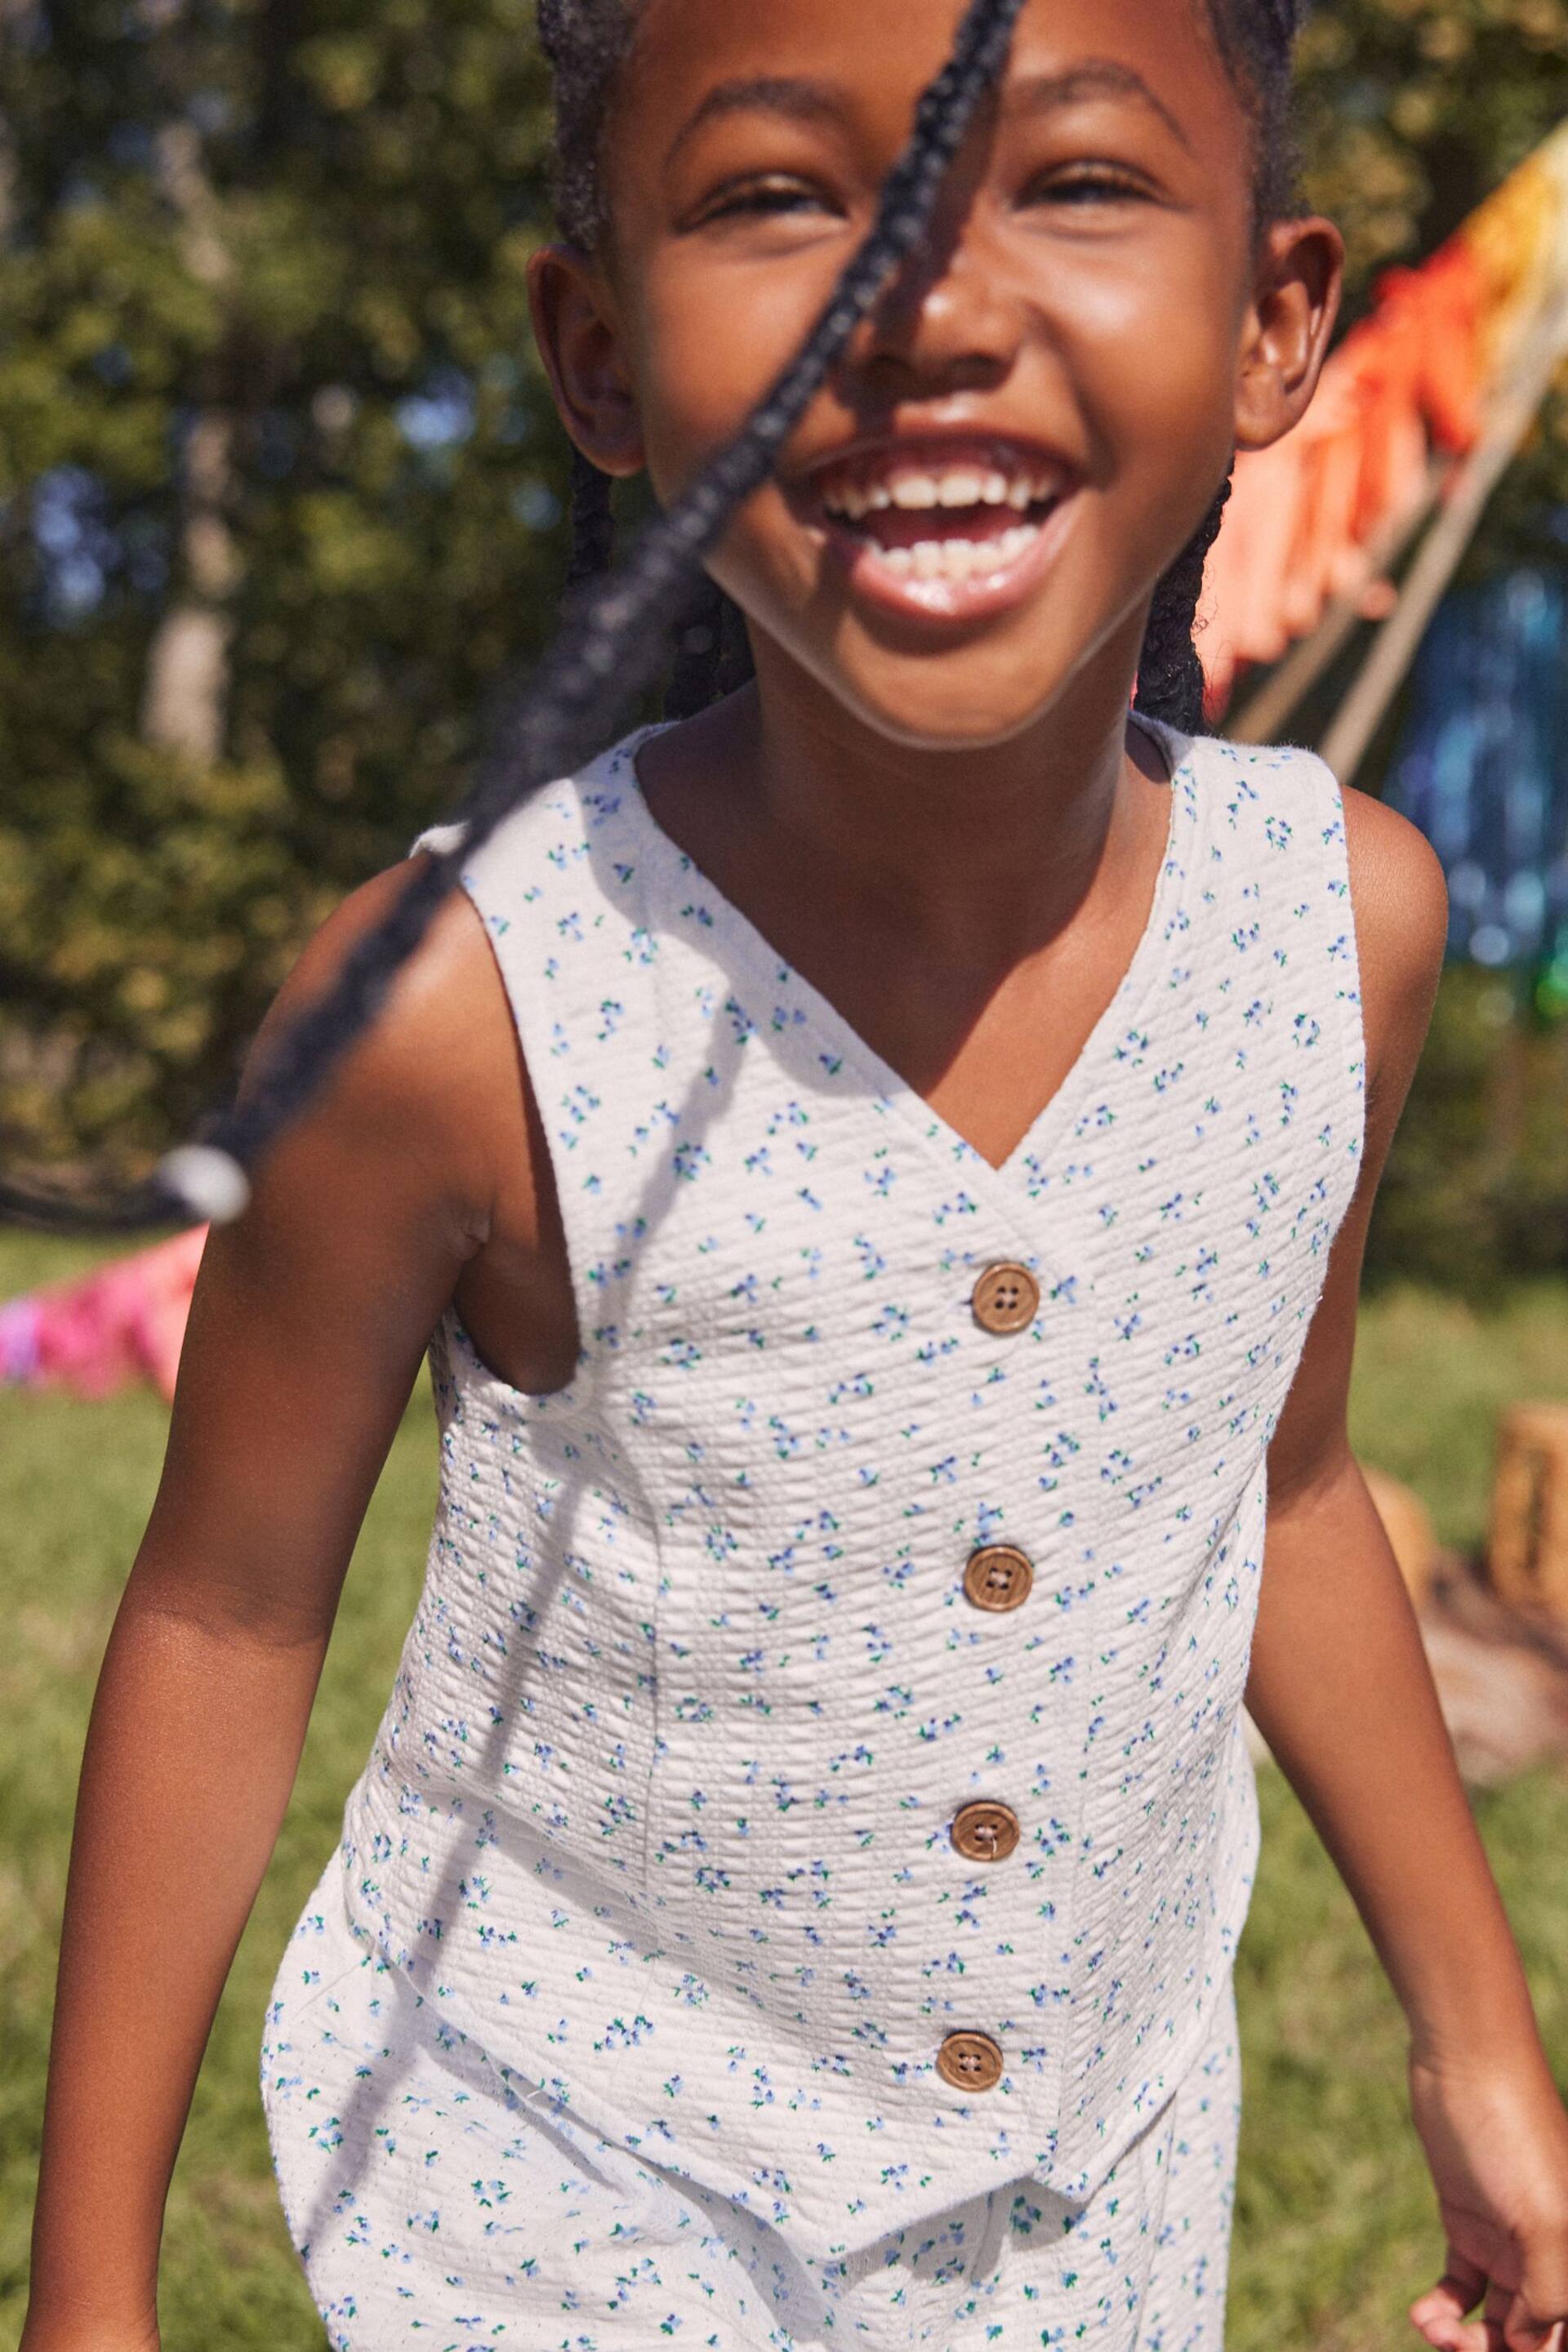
[942, 518]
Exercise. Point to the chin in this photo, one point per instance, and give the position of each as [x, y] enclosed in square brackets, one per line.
[933, 707]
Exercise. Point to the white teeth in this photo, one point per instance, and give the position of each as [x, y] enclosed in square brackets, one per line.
[959, 559]
[914, 490]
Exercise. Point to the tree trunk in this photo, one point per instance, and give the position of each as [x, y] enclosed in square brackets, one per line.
[185, 709]
[186, 703]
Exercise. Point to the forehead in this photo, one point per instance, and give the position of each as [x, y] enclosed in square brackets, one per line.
[876, 56]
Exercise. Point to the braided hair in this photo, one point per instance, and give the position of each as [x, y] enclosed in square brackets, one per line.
[588, 43]
[612, 643]
[611, 647]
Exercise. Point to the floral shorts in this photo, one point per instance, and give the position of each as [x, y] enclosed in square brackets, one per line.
[438, 2207]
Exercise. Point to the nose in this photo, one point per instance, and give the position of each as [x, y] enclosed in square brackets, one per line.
[947, 323]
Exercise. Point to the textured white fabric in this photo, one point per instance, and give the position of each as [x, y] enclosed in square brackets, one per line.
[439, 2201]
[658, 1813]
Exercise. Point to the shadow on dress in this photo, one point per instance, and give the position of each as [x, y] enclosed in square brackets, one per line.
[373, 2094]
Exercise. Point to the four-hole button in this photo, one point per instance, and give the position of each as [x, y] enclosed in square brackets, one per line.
[1006, 1300]
[999, 1577]
[970, 2062]
[985, 1832]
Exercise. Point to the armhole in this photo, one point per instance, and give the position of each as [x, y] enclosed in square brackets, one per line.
[538, 1126]
[545, 886]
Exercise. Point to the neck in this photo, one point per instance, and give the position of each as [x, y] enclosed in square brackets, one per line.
[998, 842]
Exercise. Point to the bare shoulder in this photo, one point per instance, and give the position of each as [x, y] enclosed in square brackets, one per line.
[435, 1080]
[1400, 898]
[1400, 905]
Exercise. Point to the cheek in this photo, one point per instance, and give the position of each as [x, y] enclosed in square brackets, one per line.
[708, 346]
[1153, 352]
[1153, 359]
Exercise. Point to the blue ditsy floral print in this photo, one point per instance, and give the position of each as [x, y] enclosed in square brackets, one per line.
[718, 1644]
[441, 2201]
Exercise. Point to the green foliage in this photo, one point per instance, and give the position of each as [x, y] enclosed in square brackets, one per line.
[1335, 2228]
[332, 261]
[1477, 1188]
[1413, 111]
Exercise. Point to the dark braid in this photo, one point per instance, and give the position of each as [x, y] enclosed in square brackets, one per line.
[611, 648]
[1169, 675]
[591, 522]
[1257, 39]
[613, 644]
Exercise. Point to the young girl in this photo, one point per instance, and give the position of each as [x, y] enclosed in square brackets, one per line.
[884, 1166]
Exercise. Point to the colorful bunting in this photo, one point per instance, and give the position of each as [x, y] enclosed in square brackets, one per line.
[1412, 380]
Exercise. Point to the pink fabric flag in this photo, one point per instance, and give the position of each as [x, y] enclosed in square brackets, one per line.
[124, 1323]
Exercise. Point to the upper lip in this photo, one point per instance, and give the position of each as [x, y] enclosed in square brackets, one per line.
[1002, 469]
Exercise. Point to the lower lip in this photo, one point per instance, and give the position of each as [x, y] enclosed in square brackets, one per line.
[980, 597]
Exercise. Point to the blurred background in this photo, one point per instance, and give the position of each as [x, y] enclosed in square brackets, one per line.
[280, 505]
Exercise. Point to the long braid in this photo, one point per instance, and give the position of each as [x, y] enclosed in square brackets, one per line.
[1256, 39]
[614, 642]
[713, 655]
[700, 645]
[591, 523]
[1170, 674]
[736, 663]
[694, 679]
[611, 648]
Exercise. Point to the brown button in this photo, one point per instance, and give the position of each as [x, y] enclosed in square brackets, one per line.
[970, 2062]
[985, 1832]
[999, 1577]
[1006, 1300]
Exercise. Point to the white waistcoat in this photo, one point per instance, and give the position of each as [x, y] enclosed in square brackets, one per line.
[661, 1810]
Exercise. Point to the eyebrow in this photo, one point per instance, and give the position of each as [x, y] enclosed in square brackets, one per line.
[1096, 78]
[800, 100]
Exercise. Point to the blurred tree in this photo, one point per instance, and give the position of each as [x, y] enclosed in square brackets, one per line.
[277, 503]
[279, 487]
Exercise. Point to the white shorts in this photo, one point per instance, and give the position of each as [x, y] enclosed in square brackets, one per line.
[439, 2208]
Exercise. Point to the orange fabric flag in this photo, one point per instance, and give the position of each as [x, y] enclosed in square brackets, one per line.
[1410, 381]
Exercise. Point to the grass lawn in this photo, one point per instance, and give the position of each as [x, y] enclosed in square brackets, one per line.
[1335, 2224]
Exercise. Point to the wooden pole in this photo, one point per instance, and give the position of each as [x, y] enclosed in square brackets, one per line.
[1264, 715]
[1394, 648]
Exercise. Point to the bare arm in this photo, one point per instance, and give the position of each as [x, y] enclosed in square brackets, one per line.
[306, 1334]
[1341, 1691]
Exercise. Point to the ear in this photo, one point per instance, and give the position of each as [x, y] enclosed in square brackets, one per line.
[1284, 338]
[574, 326]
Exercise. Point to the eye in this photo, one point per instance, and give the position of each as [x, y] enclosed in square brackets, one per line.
[1088, 184]
[773, 197]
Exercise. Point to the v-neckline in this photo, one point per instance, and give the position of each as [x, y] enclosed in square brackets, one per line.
[679, 873]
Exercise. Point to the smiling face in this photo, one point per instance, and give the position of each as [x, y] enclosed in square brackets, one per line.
[968, 524]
